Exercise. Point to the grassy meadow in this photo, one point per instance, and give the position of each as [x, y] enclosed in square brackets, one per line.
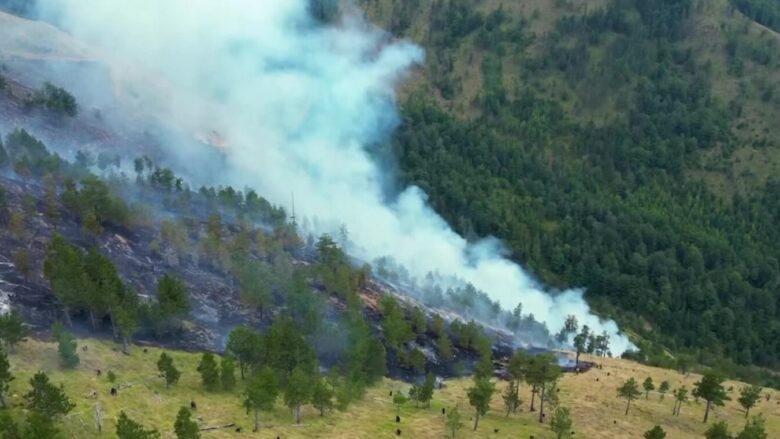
[596, 411]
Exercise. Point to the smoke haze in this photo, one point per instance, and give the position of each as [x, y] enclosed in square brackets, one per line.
[298, 104]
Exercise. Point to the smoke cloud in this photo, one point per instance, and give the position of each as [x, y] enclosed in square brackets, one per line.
[299, 105]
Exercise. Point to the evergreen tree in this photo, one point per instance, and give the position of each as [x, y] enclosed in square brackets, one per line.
[480, 395]
[40, 426]
[570, 326]
[655, 433]
[9, 429]
[630, 391]
[297, 391]
[168, 369]
[561, 423]
[425, 394]
[125, 316]
[444, 347]
[749, 397]
[484, 367]
[12, 329]
[246, 346]
[66, 346]
[581, 343]
[5, 376]
[419, 322]
[663, 388]
[47, 399]
[680, 398]
[710, 388]
[172, 299]
[184, 426]
[648, 386]
[228, 373]
[286, 350]
[127, 428]
[322, 395]
[395, 327]
[754, 429]
[718, 430]
[511, 397]
[517, 368]
[399, 399]
[63, 268]
[209, 371]
[260, 394]
[102, 287]
[453, 422]
[542, 370]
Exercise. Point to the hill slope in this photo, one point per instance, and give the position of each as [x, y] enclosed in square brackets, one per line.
[625, 146]
[596, 411]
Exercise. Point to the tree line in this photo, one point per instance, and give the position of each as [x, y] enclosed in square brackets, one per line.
[610, 206]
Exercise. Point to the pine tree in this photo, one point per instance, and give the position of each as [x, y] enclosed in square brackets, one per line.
[663, 388]
[12, 329]
[297, 392]
[680, 397]
[580, 344]
[66, 347]
[126, 428]
[425, 394]
[444, 347]
[399, 399]
[47, 399]
[184, 426]
[542, 370]
[9, 429]
[655, 433]
[228, 373]
[479, 397]
[630, 391]
[40, 426]
[209, 372]
[125, 315]
[5, 376]
[168, 370]
[648, 386]
[246, 346]
[322, 395]
[710, 388]
[453, 422]
[754, 429]
[561, 423]
[395, 327]
[64, 268]
[511, 397]
[718, 430]
[748, 398]
[172, 299]
[260, 394]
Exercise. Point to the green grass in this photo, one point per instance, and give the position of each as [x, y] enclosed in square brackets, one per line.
[596, 411]
[149, 402]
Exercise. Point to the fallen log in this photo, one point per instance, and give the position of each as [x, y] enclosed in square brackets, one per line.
[218, 427]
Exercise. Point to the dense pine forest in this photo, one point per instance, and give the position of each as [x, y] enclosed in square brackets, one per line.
[597, 140]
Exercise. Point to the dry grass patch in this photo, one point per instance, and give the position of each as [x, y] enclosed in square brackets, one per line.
[596, 410]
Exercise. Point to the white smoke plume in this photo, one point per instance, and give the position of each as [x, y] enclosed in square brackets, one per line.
[298, 104]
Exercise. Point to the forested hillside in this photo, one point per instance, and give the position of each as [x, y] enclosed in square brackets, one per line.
[626, 146]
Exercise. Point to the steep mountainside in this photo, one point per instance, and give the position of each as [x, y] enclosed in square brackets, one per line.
[625, 146]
